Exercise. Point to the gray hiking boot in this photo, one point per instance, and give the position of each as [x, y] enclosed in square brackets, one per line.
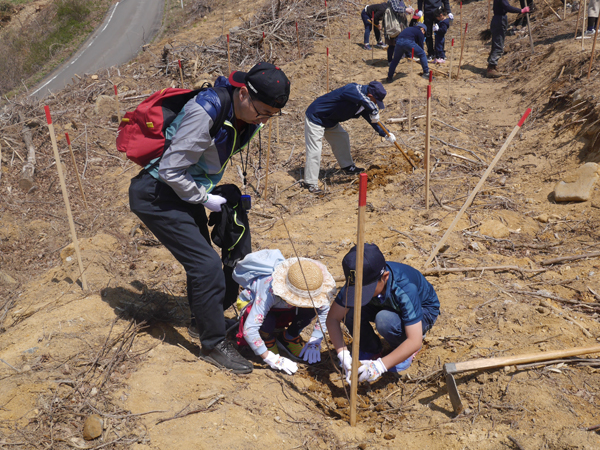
[225, 355]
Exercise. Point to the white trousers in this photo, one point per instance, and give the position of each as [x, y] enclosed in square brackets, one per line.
[313, 136]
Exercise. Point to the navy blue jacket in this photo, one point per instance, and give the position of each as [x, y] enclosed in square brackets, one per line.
[501, 7]
[444, 25]
[342, 104]
[430, 6]
[412, 34]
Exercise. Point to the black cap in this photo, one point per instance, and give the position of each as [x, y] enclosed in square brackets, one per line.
[377, 90]
[373, 269]
[265, 82]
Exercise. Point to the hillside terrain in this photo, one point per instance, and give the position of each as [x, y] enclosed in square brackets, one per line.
[121, 350]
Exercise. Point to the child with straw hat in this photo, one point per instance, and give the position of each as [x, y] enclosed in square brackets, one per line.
[288, 293]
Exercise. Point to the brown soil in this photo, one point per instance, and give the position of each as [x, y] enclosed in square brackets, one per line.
[64, 356]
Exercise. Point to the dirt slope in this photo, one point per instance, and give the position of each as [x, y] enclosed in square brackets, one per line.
[66, 354]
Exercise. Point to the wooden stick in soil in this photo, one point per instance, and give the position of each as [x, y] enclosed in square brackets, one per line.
[228, 56]
[577, 23]
[530, 35]
[593, 50]
[298, 40]
[26, 181]
[450, 71]
[372, 26]
[348, 46]
[477, 188]
[181, 73]
[565, 10]
[489, 10]
[462, 47]
[327, 69]
[75, 169]
[117, 99]
[398, 146]
[327, 14]
[360, 254]
[268, 160]
[427, 144]
[552, 9]
[65, 197]
[412, 57]
[583, 23]
[460, 22]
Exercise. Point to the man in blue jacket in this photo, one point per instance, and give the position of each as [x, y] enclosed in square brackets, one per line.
[411, 38]
[170, 196]
[323, 119]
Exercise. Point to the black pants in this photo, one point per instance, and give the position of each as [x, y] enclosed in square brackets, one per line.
[498, 28]
[429, 20]
[182, 228]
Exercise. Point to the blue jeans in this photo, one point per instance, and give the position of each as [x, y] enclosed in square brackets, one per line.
[366, 20]
[404, 47]
[388, 323]
[498, 28]
[440, 40]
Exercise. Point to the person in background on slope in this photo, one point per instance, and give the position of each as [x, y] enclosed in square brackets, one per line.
[279, 297]
[402, 13]
[440, 29]
[409, 39]
[498, 27]
[367, 16]
[430, 9]
[593, 10]
[323, 118]
[170, 196]
[401, 302]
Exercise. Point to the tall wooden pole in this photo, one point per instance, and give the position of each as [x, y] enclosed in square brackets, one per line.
[327, 69]
[63, 187]
[593, 49]
[327, 14]
[489, 10]
[530, 35]
[477, 188]
[228, 57]
[117, 100]
[268, 161]
[565, 10]
[577, 23]
[181, 73]
[462, 47]
[460, 22]
[412, 56]
[76, 172]
[298, 40]
[583, 23]
[427, 145]
[360, 255]
[348, 47]
[450, 72]
[372, 26]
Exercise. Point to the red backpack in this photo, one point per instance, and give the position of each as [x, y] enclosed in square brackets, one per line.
[141, 134]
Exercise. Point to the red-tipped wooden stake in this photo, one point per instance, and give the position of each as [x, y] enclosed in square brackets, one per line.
[268, 160]
[427, 144]
[298, 40]
[358, 283]
[327, 14]
[412, 56]
[63, 187]
[462, 47]
[489, 10]
[430, 77]
[228, 57]
[593, 49]
[577, 23]
[117, 99]
[327, 69]
[348, 46]
[450, 72]
[477, 188]
[565, 11]
[76, 172]
[181, 73]
[460, 22]
[372, 26]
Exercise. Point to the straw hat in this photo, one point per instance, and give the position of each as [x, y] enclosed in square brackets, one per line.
[289, 283]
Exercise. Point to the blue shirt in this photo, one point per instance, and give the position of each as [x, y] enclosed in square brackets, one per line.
[408, 293]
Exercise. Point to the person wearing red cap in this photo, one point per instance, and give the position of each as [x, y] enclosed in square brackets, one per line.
[401, 302]
[171, 193]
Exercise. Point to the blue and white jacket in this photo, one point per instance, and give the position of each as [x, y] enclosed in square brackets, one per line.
[347, 102]
[194, 162]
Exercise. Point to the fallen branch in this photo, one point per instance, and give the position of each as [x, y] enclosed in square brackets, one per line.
[567, 317]
[439, 270]
[551, 297]
[548, 262]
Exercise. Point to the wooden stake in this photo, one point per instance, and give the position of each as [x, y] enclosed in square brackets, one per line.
[460, 22]
[552, 9]
[228, 57]
[583, 23]
[489, 10]
[298, 40]
[265, 45]
[412, 57]
[76, 172]
[577, 24]
[398, 146]
[360, 255]
[181, 73]
[117, 99]
[462, 47]
[450, 72]
[477, 188]
[348, 46]
[373, 46]
[66, 196]
[565, 10]
[327, 14]
[427, 144]
[327, 69]
[529, 32]
[277, 122]
[593, 49]
[268, 160]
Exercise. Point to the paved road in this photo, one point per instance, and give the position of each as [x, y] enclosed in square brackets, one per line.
[128, 25]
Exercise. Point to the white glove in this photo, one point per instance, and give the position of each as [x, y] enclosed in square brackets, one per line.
[371, 370]
[277, 362]
[312, 350]
[345, 363]
[450, 16]
[214, 202]
[419, 14]
[374, 117]
[436, 27]
[391, 138]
